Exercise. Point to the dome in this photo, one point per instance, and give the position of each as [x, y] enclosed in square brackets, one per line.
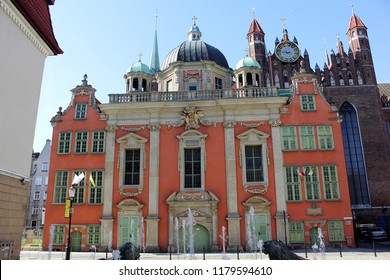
[139, 67]
[191, 51]
[247, 62]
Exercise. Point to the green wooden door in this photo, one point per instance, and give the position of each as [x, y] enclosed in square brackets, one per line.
[76, 241]
[261, 224]
[129, 229]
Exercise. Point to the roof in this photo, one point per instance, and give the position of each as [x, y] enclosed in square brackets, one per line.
[139, 67]
[190, 51]
[37, 13]
[355, 21]
[255, 27]
[384, 89]
[247, 62]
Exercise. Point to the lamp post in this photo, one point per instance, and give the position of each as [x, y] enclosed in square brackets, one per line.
[72, 192]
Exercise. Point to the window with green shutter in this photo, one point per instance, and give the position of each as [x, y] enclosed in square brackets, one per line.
[296, 232]
[60, 186]
[308, 102]
[336, 231]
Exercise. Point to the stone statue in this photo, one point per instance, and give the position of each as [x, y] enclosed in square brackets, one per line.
[277, 250]
[129, 251]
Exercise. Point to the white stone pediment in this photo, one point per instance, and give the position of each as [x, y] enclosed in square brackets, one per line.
[131, 139]
[252, 134]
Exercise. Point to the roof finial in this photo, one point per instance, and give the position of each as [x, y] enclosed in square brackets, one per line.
[352, 7]
[194, 18]
[253, 12]
[156, 17]
[140, 56]
[246, 52]
[84, 81]
[283, 19]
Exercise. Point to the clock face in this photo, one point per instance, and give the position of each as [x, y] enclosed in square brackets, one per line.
[287, 51]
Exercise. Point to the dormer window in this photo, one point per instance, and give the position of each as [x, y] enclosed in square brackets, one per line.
[80, 111]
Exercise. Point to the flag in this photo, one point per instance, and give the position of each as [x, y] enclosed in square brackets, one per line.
[311, 172]
[301, 173]
[78, 178]
[91, 180]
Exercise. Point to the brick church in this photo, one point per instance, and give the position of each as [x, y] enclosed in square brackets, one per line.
[269, 149]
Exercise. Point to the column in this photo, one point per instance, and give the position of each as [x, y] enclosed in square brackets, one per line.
[152, 218]
[107, 219]
[281, 215]
[233, 217]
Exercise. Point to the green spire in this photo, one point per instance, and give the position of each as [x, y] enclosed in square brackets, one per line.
[154, 60]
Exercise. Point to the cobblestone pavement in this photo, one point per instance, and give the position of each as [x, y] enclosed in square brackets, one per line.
[329, 254]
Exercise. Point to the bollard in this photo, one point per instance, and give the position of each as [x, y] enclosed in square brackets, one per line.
[305, 250]
[341, 254]
[170, 253]
[373, 246]
[204, 252]
[238, 253]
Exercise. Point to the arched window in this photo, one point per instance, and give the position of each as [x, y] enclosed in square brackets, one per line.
[354, 157]
[359, 77]
[277, 83]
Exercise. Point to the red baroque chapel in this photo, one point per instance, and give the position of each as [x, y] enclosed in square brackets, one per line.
[256, 150]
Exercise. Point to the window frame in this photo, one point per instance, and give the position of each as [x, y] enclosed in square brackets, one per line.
[60, 193]
[95, 193]
[64, 145]
[312, 183]
[334, 188]
[80, 111]
[289, 139]
[98, 142]
[336, 230]
[192, 139]
[79, 197]
[81, 144]
[304, 138]
[254, 137]
[131, 141]
[308, 105]
[59, 235]
[93, 235]
[293, 187]
[296, 235]
[325, 137]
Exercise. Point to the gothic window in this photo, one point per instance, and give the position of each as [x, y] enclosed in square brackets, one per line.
[354, 157]
[285, 79]
[332, 81]
[350, 79]
[192, 160]
[277, 83]
[254, 157]
[341, 79]
[359, 77]
[267, 80]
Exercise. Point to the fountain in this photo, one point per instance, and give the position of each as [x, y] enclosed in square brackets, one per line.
[177, 237]
[253, 244]
[142, 235]
[224, 238]
[109, 241]
[93, 248]
[191, 223]
[51, 241]
[319, 246]
[184, 238]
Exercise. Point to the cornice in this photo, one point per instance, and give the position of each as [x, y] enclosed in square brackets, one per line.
[25, 27]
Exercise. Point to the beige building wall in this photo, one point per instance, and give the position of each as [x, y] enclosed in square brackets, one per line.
[22, 58]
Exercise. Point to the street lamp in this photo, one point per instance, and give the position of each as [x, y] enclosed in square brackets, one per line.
[72, 192]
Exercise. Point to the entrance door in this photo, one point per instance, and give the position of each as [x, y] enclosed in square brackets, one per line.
[76, 241]
[313, 235]
[261, 223]
[129, 230]
[201, 239]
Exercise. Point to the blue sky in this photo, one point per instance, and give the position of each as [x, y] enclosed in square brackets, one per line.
[103, 38]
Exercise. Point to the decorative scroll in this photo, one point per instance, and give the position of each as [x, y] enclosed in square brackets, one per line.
[129, 192]
[252, 125]
[256, 189]
[274, 123]
[132, 129]
[229, 124]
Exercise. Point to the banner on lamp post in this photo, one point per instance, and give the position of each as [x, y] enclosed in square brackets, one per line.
[67, 208]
